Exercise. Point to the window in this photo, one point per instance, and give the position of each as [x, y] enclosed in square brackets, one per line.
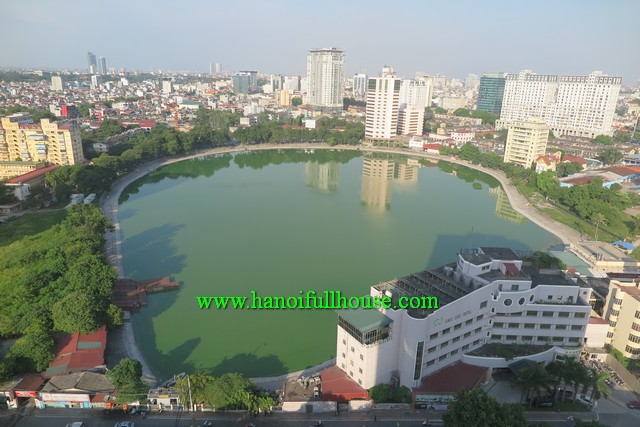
[433, 336]
[477, 330]
[508, 302]
[563, 314]
[527, 338]
[456, 339]
[609, 334]
[467, 335]
[444, 344]
[612, 323]
[360, 370]
[637, 314]
[458, 326]
[431, 362]
[549, 297]
[514, 325]
[532, 313]
[615, 312]
[545, 326]
[479, 317]
[361, 357]
[344, 367]
[634, 339]
[632, 350]
[496, 337]
[454, 352]
[617, 301]
[446, 331]
[344, 356]
[465, 347]
[512, 337]
[441, 358]
[498, 325]
[352, 350]
[476, 342]
[432, 349]
[561, 327]
[576, 327]
[547, 314]
[468, 322]
[635, 326]
[521, 301]
[359, 381]
[579, 315]
[529, 326]
[515, 287]
[344, 341]
[417, 373]
[483, 304]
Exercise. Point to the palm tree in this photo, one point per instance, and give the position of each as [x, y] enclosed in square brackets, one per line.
[534, 378]
[598, 385]
[576, 374]
[599, 219]
[556, 370]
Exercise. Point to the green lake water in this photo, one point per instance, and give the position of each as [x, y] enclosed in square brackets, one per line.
[281, 222]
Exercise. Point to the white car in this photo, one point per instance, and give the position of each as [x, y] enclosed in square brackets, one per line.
[585, 400]
[76, 424]
[125, 424]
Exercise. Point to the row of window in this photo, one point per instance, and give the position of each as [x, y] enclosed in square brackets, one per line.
[529, 338]
[452, 353]
[533, 326]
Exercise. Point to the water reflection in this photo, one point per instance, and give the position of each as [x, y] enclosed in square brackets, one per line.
[504, 210]
[377, 176]
[322, 176]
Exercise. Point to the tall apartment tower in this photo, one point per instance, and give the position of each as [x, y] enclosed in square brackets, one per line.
[383, 106]
[360, 86]
[622, 312]
[325, 79]
[56, 83]
[526, 141]
[91, 63]
[102, 66]
[490, 92]
[253, 79]
[572, 105]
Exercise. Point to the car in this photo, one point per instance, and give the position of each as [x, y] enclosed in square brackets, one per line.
[76, 424]
[125, 424]
[634, 404]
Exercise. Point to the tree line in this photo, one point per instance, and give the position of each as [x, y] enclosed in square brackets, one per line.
[57, 280]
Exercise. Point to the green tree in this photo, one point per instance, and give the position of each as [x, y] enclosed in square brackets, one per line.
[470, 153]
[115, 317]
[194, 388]
[440, 110]
[599, 219]
[501, 135]
[296, 101]
[33, 352]
[230, 391]
[476, 408]
[77, 312]
[126, 377]
[603, 140]
[598, 384]
[533, 380]
[568, 168]
[610, 156]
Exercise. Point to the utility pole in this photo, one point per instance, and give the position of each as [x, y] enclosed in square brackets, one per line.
[190, 399]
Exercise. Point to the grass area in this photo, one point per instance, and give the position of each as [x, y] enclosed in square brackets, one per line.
[28, 224]
[579, 224]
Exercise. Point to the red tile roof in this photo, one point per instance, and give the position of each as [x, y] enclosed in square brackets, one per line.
[31, 175]
[30, 382]
[597, 321]
[78, 352]
[337, 386]
[572, 159]
[452, 379]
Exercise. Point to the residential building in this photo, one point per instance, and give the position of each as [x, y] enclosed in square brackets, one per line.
[284, 98]
[9, 169]
[488, 295]
[462, 136]
[410, 120]
[56, 83]
[526, 141]
[277, 82]
[166, 86]
[96, 81]
[415, 92]
[241, 84]
[360, 86]
[77, 390]
[471, 82]
[292, 83]
[383, 106]
[325, 79]
[490, 92]
[92, 64]
[453, 102]
[53, 142]
[581, 106]
[546, 163]
[23, 184]
[218, 69]
[253, 79]
[622, 311]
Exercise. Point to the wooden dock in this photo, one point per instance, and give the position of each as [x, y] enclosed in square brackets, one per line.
[131, 295]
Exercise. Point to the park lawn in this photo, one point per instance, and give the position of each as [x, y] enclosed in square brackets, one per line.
[28, 224]
[579, 224]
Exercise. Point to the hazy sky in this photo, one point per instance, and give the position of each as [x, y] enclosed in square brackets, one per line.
[453, 38]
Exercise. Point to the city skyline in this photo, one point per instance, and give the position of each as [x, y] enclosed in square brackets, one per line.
[564, 38]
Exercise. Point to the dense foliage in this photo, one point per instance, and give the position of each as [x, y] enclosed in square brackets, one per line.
[330, 130]
[126, 376]
[384, 393]
[57, 280]
[476, 408]
[487, 117]
[229, 391]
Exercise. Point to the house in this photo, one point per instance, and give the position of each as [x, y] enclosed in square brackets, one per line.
[23, 184]
[15, 392]
[78, 352]
[77, 390]
[546, 163]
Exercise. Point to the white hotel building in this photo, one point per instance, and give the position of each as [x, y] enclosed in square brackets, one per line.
[572, 105]
[487, 296]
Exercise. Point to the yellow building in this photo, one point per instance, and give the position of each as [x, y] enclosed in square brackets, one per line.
[284, 98]
[526, 141]
[11, 169]
[622, 311]
[52, 142]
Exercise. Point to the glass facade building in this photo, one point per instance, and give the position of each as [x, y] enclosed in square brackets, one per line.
[490, 93]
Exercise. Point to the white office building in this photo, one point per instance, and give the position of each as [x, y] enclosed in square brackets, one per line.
[56, 83]
[572, 105]
[325, 79]
[410, 120]
[416, 92]
[487, 296]
[360, 86]
[383, 105]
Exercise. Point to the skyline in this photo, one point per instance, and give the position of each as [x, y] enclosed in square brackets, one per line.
[561, 38]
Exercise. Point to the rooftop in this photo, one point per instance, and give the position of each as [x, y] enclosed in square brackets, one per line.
[365, 320]
[80, 381]
[504, 254]
[454, 378]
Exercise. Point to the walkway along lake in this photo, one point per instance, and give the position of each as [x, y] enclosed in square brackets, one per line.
[284, 221]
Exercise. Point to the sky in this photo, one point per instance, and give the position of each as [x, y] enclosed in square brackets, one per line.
[453, 38]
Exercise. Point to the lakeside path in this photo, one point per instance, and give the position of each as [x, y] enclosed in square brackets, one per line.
[113, 239]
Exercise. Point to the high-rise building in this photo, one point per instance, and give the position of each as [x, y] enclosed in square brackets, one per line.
[284, 98]
[622, 311]
[575, 105]
[360, 86]
[416, 92]
[53, 142]
[471, 82]
[526, 141]
[96, 81]
[277, 82]
[211, 68]
[166, 86]
[292, 83]
[102, 66]
[241, 84]
[383, 104]
[56, 83]
[325, 79]
[377, 174]
[410, 120]
[253, 79]
[491, 92]
[218, 69]
[91, 63]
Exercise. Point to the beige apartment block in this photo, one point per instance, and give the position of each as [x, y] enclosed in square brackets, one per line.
[526, 141]
[622, 311]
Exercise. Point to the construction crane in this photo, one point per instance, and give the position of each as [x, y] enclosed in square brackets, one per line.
[176, 122]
